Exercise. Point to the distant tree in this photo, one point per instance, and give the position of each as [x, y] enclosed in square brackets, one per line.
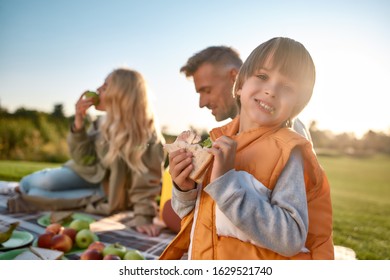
[320, 138]
[378, 142]
[33, 135]
[3, 111]
[344, 142]
[58, 111]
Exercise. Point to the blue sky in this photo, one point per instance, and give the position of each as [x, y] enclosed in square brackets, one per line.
[51, 51]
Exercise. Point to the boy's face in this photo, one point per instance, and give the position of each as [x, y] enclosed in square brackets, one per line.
[267, 99]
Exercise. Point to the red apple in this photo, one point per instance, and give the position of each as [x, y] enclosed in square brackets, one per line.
[54, 228]
[97, 245]
[61, 242]
[45, 240]
[91, 254]
[71, 232]
[111, 257]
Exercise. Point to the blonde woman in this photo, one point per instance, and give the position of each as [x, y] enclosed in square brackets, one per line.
[116, 165]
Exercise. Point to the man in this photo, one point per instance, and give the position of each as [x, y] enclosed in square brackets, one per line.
[214, 71]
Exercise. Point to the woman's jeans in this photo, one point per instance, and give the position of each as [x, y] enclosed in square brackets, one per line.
[60, 182]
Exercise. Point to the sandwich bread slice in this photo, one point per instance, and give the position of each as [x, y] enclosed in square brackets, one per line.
[191, 142]
[36, 253]
[60, 216]
[46, 254]
[27, 255]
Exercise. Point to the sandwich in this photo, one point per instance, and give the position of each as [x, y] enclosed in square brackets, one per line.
[61, 217]
[191, 142]
[27, 255]
[47, 254]
[35, 253]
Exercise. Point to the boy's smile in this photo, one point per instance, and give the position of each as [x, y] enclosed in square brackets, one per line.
[266, 107]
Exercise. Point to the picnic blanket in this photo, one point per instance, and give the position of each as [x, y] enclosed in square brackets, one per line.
[112, 229]
[109, 230]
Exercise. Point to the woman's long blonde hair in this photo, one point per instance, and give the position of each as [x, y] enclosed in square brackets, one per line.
[129, 124]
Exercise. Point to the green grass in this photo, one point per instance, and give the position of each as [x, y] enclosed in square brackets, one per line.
[360, 190]
[15, 170]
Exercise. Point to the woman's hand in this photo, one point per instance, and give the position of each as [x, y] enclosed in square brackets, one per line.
[149, 229]
[224, 151]
[82, 106]
[180, 167]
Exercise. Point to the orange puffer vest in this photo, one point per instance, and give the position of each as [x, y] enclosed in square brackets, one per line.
[262, 153]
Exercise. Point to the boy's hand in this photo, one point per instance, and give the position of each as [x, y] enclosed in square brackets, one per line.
[224, 151]
[180, 167]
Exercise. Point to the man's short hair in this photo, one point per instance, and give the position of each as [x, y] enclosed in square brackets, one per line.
[216, 55]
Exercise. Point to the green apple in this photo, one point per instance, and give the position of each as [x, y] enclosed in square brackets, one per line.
[115, 249]
[94, 96]
[79, 224]
[111, 257]
[85, 237]
[133, 255]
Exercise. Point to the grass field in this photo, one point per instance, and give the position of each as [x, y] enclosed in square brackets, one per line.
[360, 196]
[15, 170]
[361, 204]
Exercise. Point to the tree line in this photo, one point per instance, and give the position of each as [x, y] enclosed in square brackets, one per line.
[39, 136]
[372, 142]
[33, 135]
